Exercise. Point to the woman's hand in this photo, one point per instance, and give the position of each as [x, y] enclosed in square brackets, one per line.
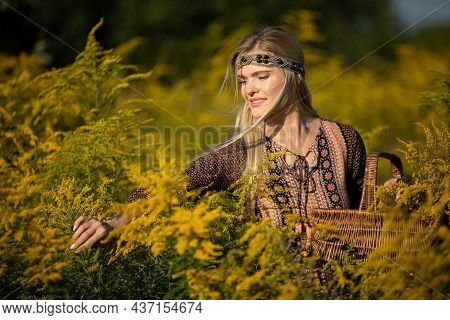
[305, 227]
[87, 232]
[392, 181]
[406, 179]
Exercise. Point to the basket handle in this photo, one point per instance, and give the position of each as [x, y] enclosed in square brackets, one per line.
[370, 177]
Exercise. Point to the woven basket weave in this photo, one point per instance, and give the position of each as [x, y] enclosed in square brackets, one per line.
[365, 229]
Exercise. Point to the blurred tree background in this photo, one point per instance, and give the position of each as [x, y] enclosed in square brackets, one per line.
[173, 30]
[75, 136]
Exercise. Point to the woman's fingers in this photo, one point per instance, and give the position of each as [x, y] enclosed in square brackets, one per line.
[83, 237]
[391, 181]
[308, 231]
[87, 234]
[83, 233]
[97, 236]
[86, 225]
[298, 228]
[308, 235]
[79, 221]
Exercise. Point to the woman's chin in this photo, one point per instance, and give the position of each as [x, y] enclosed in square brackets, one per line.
[258, 112]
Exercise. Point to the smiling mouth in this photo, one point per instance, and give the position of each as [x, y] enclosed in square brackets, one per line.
[257, 102]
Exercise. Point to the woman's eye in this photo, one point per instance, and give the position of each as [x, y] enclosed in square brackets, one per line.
[263, 77]
[242, 82]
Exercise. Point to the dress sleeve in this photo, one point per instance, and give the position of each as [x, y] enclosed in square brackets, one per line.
[356, 164]
[216, 170]
[138, 194]
[219, 169]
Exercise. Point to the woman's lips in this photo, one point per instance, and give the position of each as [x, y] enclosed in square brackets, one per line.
[257, 102]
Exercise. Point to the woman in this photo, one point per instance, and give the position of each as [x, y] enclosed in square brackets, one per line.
[312, 162]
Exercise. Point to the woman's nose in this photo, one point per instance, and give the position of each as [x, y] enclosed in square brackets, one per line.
[250, 88]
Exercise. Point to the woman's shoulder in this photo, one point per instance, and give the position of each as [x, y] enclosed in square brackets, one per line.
[347, 131]
[345, 138]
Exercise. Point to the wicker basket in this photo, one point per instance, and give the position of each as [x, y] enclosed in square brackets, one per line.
[361, 230]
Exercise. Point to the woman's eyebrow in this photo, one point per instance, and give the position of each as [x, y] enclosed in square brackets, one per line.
[254, 73]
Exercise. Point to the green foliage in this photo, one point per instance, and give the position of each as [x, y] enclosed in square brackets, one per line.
[264, 266]
[59, 160]
[436, 99]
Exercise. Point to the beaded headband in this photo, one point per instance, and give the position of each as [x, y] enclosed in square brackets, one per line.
[271, 60]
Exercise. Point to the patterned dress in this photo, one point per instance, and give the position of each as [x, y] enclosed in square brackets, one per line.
[329, 175]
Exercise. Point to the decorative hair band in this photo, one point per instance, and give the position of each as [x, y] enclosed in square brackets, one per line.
[271, 60]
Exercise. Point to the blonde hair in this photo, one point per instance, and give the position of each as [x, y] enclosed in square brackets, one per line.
[279, 42]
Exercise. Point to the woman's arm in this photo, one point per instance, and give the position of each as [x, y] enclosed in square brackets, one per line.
[214, 171]
[219, 169]
[356, 164]
[88, 231]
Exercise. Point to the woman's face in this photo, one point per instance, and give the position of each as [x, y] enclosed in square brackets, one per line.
[260, 86]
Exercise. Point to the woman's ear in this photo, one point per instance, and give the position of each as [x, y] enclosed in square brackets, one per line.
[298, 78]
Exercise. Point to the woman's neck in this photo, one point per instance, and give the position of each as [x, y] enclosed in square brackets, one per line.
[294, 131]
